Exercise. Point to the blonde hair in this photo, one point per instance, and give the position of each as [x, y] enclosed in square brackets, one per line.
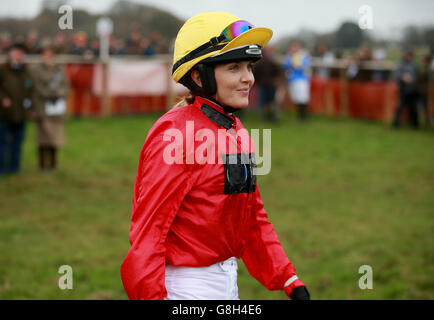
[185, 101]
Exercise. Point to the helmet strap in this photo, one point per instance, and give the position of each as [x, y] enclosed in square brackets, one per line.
[207, 78]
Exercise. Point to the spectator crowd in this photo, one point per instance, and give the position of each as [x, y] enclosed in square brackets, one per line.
[80, 43]
[413, 78]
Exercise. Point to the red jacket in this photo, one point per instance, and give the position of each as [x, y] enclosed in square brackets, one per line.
[191, 213]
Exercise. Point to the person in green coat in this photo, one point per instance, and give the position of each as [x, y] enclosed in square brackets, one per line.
[16, 90]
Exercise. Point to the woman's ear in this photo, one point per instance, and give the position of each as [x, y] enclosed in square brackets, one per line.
[196, 78]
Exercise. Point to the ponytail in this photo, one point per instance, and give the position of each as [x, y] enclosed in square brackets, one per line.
[185, 101]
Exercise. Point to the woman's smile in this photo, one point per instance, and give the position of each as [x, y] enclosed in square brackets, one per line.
[244, 91]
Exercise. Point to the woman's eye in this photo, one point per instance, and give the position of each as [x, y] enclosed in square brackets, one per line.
[233, 67]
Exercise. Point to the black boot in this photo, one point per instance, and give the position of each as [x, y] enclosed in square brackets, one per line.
[41, 157]
[53, 158]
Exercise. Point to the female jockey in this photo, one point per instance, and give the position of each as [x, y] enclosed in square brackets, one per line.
[196, 205]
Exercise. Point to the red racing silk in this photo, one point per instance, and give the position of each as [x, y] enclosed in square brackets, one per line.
[195, 213]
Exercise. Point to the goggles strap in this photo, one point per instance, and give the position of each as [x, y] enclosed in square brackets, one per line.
[211, 45]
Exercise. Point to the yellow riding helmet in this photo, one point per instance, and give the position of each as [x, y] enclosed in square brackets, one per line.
[213, 33]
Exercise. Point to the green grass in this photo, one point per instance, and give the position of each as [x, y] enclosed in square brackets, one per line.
[341, 193]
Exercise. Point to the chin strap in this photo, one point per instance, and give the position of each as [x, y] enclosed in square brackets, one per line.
[230, 109]
[226, 109]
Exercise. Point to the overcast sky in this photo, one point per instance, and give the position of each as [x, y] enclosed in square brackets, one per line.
[283, 16]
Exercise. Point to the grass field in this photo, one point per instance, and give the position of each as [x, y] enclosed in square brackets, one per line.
[341, 193]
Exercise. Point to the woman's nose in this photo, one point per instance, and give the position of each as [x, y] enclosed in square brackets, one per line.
[247, 75]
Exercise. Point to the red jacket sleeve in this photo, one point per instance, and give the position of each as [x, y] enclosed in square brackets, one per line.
[263, 253]
[158, 192]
